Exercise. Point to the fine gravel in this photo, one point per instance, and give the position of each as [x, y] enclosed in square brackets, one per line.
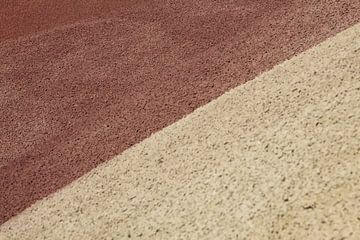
[275, 158]
[82, 81]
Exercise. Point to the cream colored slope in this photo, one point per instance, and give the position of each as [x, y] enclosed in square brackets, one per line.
[276, 158]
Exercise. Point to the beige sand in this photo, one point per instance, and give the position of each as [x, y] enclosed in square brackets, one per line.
[276, 158]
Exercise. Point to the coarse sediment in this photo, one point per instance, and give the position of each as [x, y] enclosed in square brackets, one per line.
[82, 81]
[275, 158]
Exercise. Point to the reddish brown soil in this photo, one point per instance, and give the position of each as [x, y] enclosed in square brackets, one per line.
[81, 83]
[23, 17]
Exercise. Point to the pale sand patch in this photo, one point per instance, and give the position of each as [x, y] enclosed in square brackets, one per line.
[275, 158]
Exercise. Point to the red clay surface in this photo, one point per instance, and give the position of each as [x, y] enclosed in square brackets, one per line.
[23, 17]
[73, 96]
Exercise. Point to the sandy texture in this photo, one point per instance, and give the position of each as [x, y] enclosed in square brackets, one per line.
[78, 88]
[275, 158]
[20, 18]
